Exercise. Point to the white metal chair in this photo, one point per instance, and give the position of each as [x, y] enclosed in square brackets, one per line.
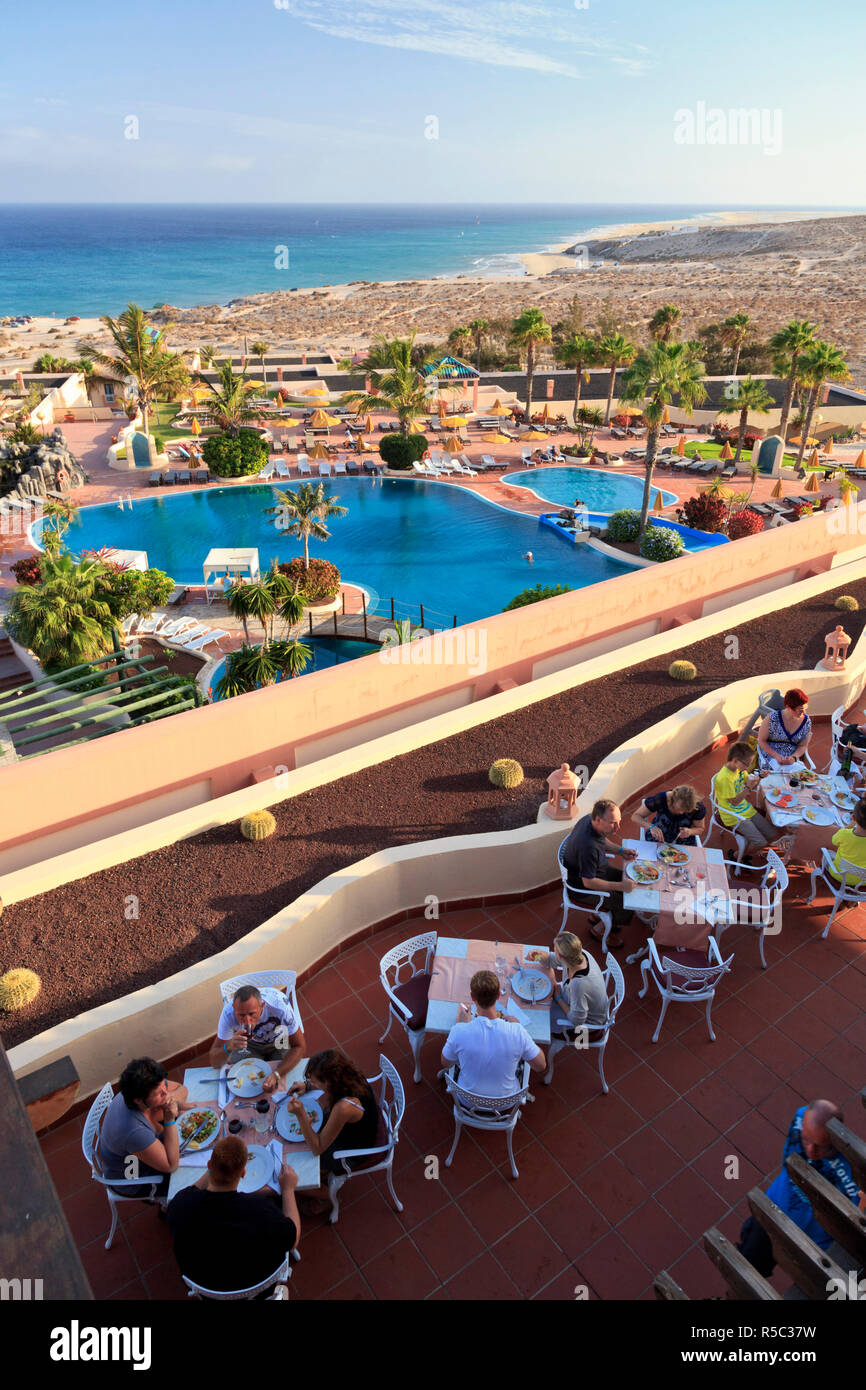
[134, 1189]
[837, 726]
[498, 1113]
[392, 1105]
[842, 890]
[682, 983]
[758, 907]
[567, 1035]
[407, 997]
[279, 1295]
[275, 987]
[594, 906]
[716, 819]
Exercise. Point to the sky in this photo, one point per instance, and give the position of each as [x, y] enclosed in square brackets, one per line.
[433, 100]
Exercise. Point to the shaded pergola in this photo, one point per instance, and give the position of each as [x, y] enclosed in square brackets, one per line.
[223, 567]
[447, 371]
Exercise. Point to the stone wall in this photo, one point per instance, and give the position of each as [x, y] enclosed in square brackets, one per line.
[47, 466]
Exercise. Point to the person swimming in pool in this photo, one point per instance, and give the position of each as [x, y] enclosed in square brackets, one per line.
[528, 557]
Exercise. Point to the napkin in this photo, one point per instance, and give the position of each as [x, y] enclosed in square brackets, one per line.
[193, 1160]
[201, 1084]
[516, 1012]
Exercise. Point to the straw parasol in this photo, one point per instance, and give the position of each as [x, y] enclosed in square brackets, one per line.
[195, 427]
[860, 461]
[498, 438]
[533, 434]
[814, 461]
[319, 451]
[828, 447]
[666, 418]
[545, 414]
[658, 504]
[777, 490]
[727, 451]
[455, 422]
[453, 445]
[681, 446]
[498, 409]
[813, 485]
[321, 420]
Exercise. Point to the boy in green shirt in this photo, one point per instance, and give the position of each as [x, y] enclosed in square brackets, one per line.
[850, 843]
[735, 810]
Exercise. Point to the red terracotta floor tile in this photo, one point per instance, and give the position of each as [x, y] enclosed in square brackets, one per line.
[133, 1292]
[86, 1212]
[568, 1287]
[611, 1118]
[680, 1067]
[148, 1237]
[400, 1273]
[529, 1257]
[471, 1164]
[355, 1288]
[693, 1203]
[846, 1060]
[347, 1018]
[326, 987]
[484, 1279]
[448, 1242]
[108, 1270]
[653, 1234]
[614, 1270]
[613, 1189]
[696, 1275]
[816, 960]
[807, 1029]
[367, 1227]
[778, 1052]
[717, 1102]
[164, 1282]
[493, 1206]
[685, 1130]
[814, 1080]
[573, 1140]
[650, 1158]
[765, 998]
[573, 1222]
[324, 1262]
[735, 1019]
[359, 967]
[69, 1171]
[541, 1177]
[731, 1179]
[793, 980]
[759, 1140]
[780, 1106]
[748, 1077]
[646, 1091]
[831, 1002]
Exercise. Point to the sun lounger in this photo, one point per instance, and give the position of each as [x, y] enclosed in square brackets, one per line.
[352, 468]
[340, 466]
[467, 466]
[324, 468]
[181, 475]
[155, 480]
[284, 471]
[729, 470]
[201, 475]
[619, 434]
[762, 508]
[277, 446]
[635, 433]
[373, 468]
[268, 471]
[212, 635]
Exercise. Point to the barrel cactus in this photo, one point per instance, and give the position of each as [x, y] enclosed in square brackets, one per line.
[682, 670]
[17, 988]
[258, 825]
[505, 772]
[847, 602]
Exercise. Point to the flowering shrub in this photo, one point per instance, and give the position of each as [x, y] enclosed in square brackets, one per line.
[661, 543]
[320, 581]
[27, 571]
[624, 525]
[704, 512]
[745, 523]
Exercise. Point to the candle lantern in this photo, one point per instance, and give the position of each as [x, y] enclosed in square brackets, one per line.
[836, 646]
[563, 787]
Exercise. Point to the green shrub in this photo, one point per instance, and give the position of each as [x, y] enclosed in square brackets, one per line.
[847, 602]
[660, 543]
[505, 772]
[320, 581]
[682, 670]
[624, 525]
[536, 595]
[17, 988]
[258, 825]
[159, 443]
[399, 452]
[235, 458]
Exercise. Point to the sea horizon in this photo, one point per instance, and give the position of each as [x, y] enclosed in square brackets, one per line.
[94, 258]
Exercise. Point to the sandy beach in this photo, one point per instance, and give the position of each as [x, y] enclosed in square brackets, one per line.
[773, 266]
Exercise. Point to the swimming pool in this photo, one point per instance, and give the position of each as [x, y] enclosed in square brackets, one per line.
[599, 489]
[326, 651]
[417, 542]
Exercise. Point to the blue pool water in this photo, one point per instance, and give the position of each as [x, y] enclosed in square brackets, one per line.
[417, 542]
[326, 651]
[599, 489]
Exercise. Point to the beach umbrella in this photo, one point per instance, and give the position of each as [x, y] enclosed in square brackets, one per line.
[498, 438]
[453, 445]
[195, 427]
[658, 504]
[455, 422]
[727, 451]
[814, 461]
[545, 414]
[828, 447]
[319, 451]
[666, 418]
[321, 420]
[533, 434]
[813, 485]
[777, 490]
[498, 409]
[860, 461]
[681, 446]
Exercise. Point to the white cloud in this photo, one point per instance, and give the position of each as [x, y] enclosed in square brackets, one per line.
[498, 33]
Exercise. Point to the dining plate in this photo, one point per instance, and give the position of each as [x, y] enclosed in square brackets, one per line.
[245, 1077]
[807, 777]
[287, 1124]
[260, 1169]
[819, 815]
[672, 854]
[642, 871]
[846, 801]
[189, 1123]
[778, 797]
[531, 985]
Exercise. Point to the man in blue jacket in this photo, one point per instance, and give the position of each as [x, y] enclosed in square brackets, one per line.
[807, 1136]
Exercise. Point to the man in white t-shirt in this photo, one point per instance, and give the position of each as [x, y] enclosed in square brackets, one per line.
[269, 1031]
[489, 1049]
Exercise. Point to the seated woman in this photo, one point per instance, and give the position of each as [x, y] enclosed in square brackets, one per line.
[582, 997]
[785, 735]
[674, 817]
[138, 1138]
[351, 1112]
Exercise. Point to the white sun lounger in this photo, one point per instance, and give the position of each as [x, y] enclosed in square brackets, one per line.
[324, 468]
[463, 466]
[282, 469]
[304, 466]
[268, 471]
[212, 635]
[340, 466]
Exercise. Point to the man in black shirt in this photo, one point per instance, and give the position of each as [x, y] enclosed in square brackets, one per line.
[225, 1239]
[585, 858]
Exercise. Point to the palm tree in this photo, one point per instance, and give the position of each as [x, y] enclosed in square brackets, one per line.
[527, 332]
[62, 513]
[144, 358]
[396, 384]
[207, 355]
[260, 348]
[228, 403]
[664, 321]
[615, 351]
[752, 395]
[579, 350]
[291, 657]
[459, 339]
[788, 344]
[658, 373]
[306, 510]
[479, 328]
[820, 363]
[735, 331]
[240, 605]
[88, 371]
[61, 619]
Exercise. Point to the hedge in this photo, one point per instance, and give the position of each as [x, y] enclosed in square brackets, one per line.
[235, 458]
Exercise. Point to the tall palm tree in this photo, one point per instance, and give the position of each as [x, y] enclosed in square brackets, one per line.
[62, 513]
[260, 348]
[240, 605]
[820, 363]
[228, 403]
[306, 510]
[528, 331]
[459, 339]
[61, 619]
[615, 351]
[658, 373]
[395, 381]
[752, 395]
[735, 331]
[144, 358]
[479, 328]
[664, 321]
[207, 355]
[788, 344]
[579, 350]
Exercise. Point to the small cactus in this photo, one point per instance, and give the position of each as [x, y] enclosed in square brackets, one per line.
[258, 825]
[17, 988]
[847, 602]
[682, 670]
[505, 772]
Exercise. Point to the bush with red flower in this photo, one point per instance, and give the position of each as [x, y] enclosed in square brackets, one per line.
[27, 571]
[744, 523]
[704, 512]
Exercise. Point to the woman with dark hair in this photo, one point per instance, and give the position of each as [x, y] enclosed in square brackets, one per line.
[785, 734]
[138, 1138]
[351, 1112]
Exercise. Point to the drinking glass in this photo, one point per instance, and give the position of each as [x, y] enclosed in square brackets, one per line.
[262, 1117]
[235, 1126]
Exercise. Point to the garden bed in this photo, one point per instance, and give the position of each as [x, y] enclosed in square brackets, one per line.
[198, 896]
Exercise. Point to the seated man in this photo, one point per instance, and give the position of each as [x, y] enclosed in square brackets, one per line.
[674, 817]
[225, 1239]
[585, 857]
[487, 1049]
[138, 1138]
[809, 1138]
[853, 742]
[268, 1031]
[729, 783]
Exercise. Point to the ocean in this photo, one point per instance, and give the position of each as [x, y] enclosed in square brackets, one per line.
[94, 259]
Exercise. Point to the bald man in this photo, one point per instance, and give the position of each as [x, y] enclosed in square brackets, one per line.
[808, 1137]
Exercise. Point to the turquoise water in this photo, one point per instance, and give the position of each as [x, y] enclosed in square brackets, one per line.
[417, 542]
[326, 651]
[599, 490]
